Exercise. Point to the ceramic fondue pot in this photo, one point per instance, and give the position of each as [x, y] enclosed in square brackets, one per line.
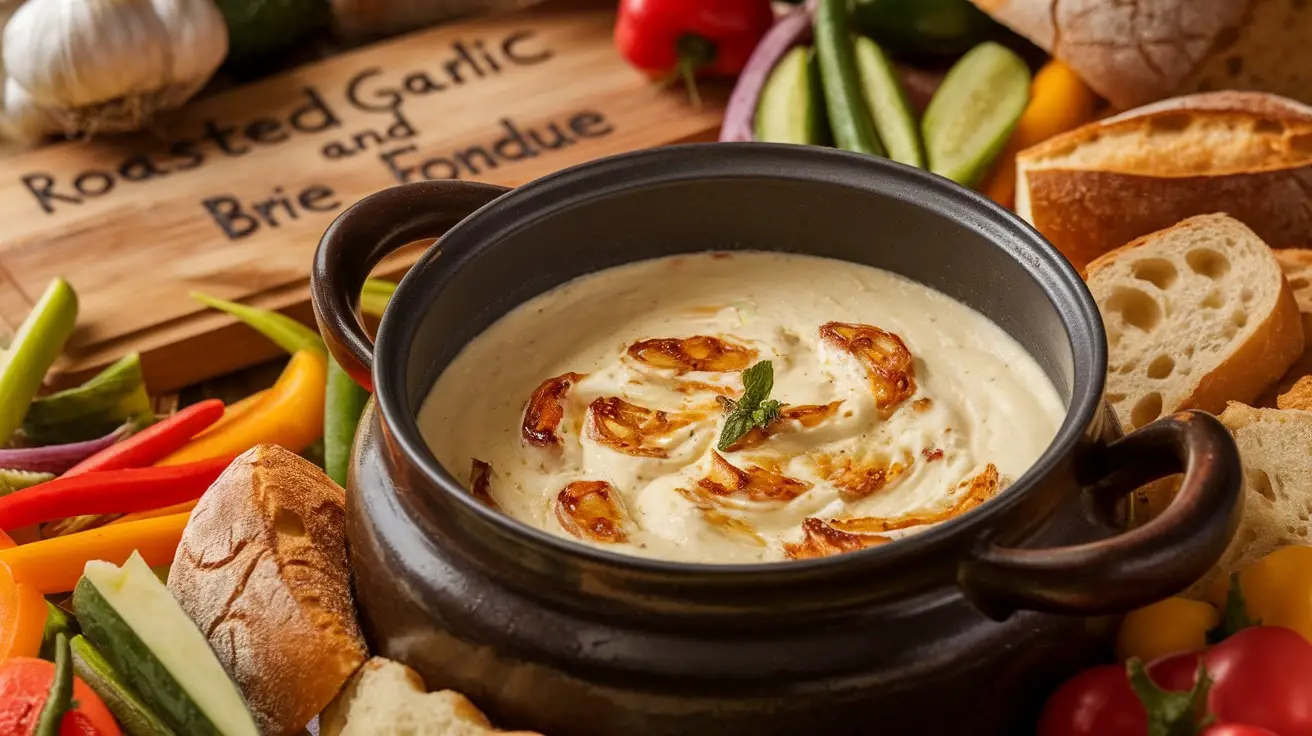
[963, 628]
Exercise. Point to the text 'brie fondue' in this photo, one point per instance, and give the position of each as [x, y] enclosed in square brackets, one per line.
[740, 408]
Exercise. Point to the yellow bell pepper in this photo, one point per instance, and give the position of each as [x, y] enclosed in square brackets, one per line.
[1166, 627]
[1277, 590]
[290, 414]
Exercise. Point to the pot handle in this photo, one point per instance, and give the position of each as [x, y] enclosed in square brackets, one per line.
[1143, 565]
[361, 237]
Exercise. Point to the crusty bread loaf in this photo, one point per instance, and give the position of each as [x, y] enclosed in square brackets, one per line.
[386, 698]
[1274, 446]
[262, 570]
[1197, 315]
[1297, 265]
[1137, 52]
[1106, 183]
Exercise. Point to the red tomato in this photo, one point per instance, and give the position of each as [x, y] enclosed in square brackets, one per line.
[1232, 729]
[1096, 702]
[24, 685]
[1260, 676]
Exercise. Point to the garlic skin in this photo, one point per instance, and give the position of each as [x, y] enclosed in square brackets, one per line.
[107, 65]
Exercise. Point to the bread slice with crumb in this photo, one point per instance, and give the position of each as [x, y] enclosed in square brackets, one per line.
[1197, 315]
[1274, 446]
[385, 698]
[1297, 265]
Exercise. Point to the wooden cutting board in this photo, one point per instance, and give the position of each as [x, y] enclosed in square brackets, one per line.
[231, 195]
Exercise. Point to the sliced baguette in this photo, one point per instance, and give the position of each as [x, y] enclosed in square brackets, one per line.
[1138, 52]
[386, 698]
[262, 570]
[1275, 446]
[1297, 265]
[1197, 315]
[1104, 184]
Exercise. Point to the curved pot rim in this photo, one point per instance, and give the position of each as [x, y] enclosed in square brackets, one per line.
[522, 206]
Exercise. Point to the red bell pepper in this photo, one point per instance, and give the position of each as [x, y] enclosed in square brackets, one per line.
[109, 492]
[690, 37]
[154, 442]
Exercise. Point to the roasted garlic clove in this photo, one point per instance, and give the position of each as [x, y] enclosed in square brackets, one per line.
[822, 540]
[592, 509]
[631, 429]
[697, 353]
[971, 493]
[480, 482]
[546, 409]
[753, 484]
[858, 477]
[887, 361]
[791, 418]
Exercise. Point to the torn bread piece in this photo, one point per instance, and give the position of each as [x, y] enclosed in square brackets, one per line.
[1274, 446]
[386, 698]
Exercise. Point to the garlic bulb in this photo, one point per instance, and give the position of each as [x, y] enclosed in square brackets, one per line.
[105, 65]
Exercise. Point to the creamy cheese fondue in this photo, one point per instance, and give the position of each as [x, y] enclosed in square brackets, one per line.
[594, 411]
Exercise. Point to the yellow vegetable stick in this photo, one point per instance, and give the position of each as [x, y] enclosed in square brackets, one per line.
[1166, 627]
[291, 415]
[1059, 101]
[182, 508]
[235, 410]
[55, 565]
[1277, 590]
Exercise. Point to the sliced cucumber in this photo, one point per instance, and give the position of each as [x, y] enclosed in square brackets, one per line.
[789, 108]
[974, 111]
[894, 120]
[112, 397]
[131, 617]
[135, 717]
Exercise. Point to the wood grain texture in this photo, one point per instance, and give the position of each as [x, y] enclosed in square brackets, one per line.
[134, 251]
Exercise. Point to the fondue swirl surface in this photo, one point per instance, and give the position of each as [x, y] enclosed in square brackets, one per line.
[597, 411]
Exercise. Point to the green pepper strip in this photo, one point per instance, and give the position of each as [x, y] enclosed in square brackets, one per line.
[342, 406]
[376, 294]
[36, 345]
[60, 699]
[57, 622]
[286, 332]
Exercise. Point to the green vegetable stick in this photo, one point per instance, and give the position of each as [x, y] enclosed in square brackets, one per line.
[61, 692]
[286, 332]
[112, 397]
[376, 294]
[17, 480]
[342, 407]
[57, 622]
[36, 344]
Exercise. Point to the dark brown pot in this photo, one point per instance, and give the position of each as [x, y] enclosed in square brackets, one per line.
[963, 628]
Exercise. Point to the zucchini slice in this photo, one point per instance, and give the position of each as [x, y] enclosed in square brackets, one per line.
[128, 614]
[136, 718]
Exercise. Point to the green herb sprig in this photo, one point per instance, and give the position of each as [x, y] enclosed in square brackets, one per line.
[754, 409]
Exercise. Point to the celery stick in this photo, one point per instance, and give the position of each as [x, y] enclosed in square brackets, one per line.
[286, 332]
[36, 344]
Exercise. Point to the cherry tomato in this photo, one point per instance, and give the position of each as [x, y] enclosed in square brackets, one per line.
[1096, 702]
[1261, 676]
[1234, 729]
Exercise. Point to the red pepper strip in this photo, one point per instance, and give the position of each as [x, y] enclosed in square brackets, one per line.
[155, 442]
[109, 492]
[662, 37]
